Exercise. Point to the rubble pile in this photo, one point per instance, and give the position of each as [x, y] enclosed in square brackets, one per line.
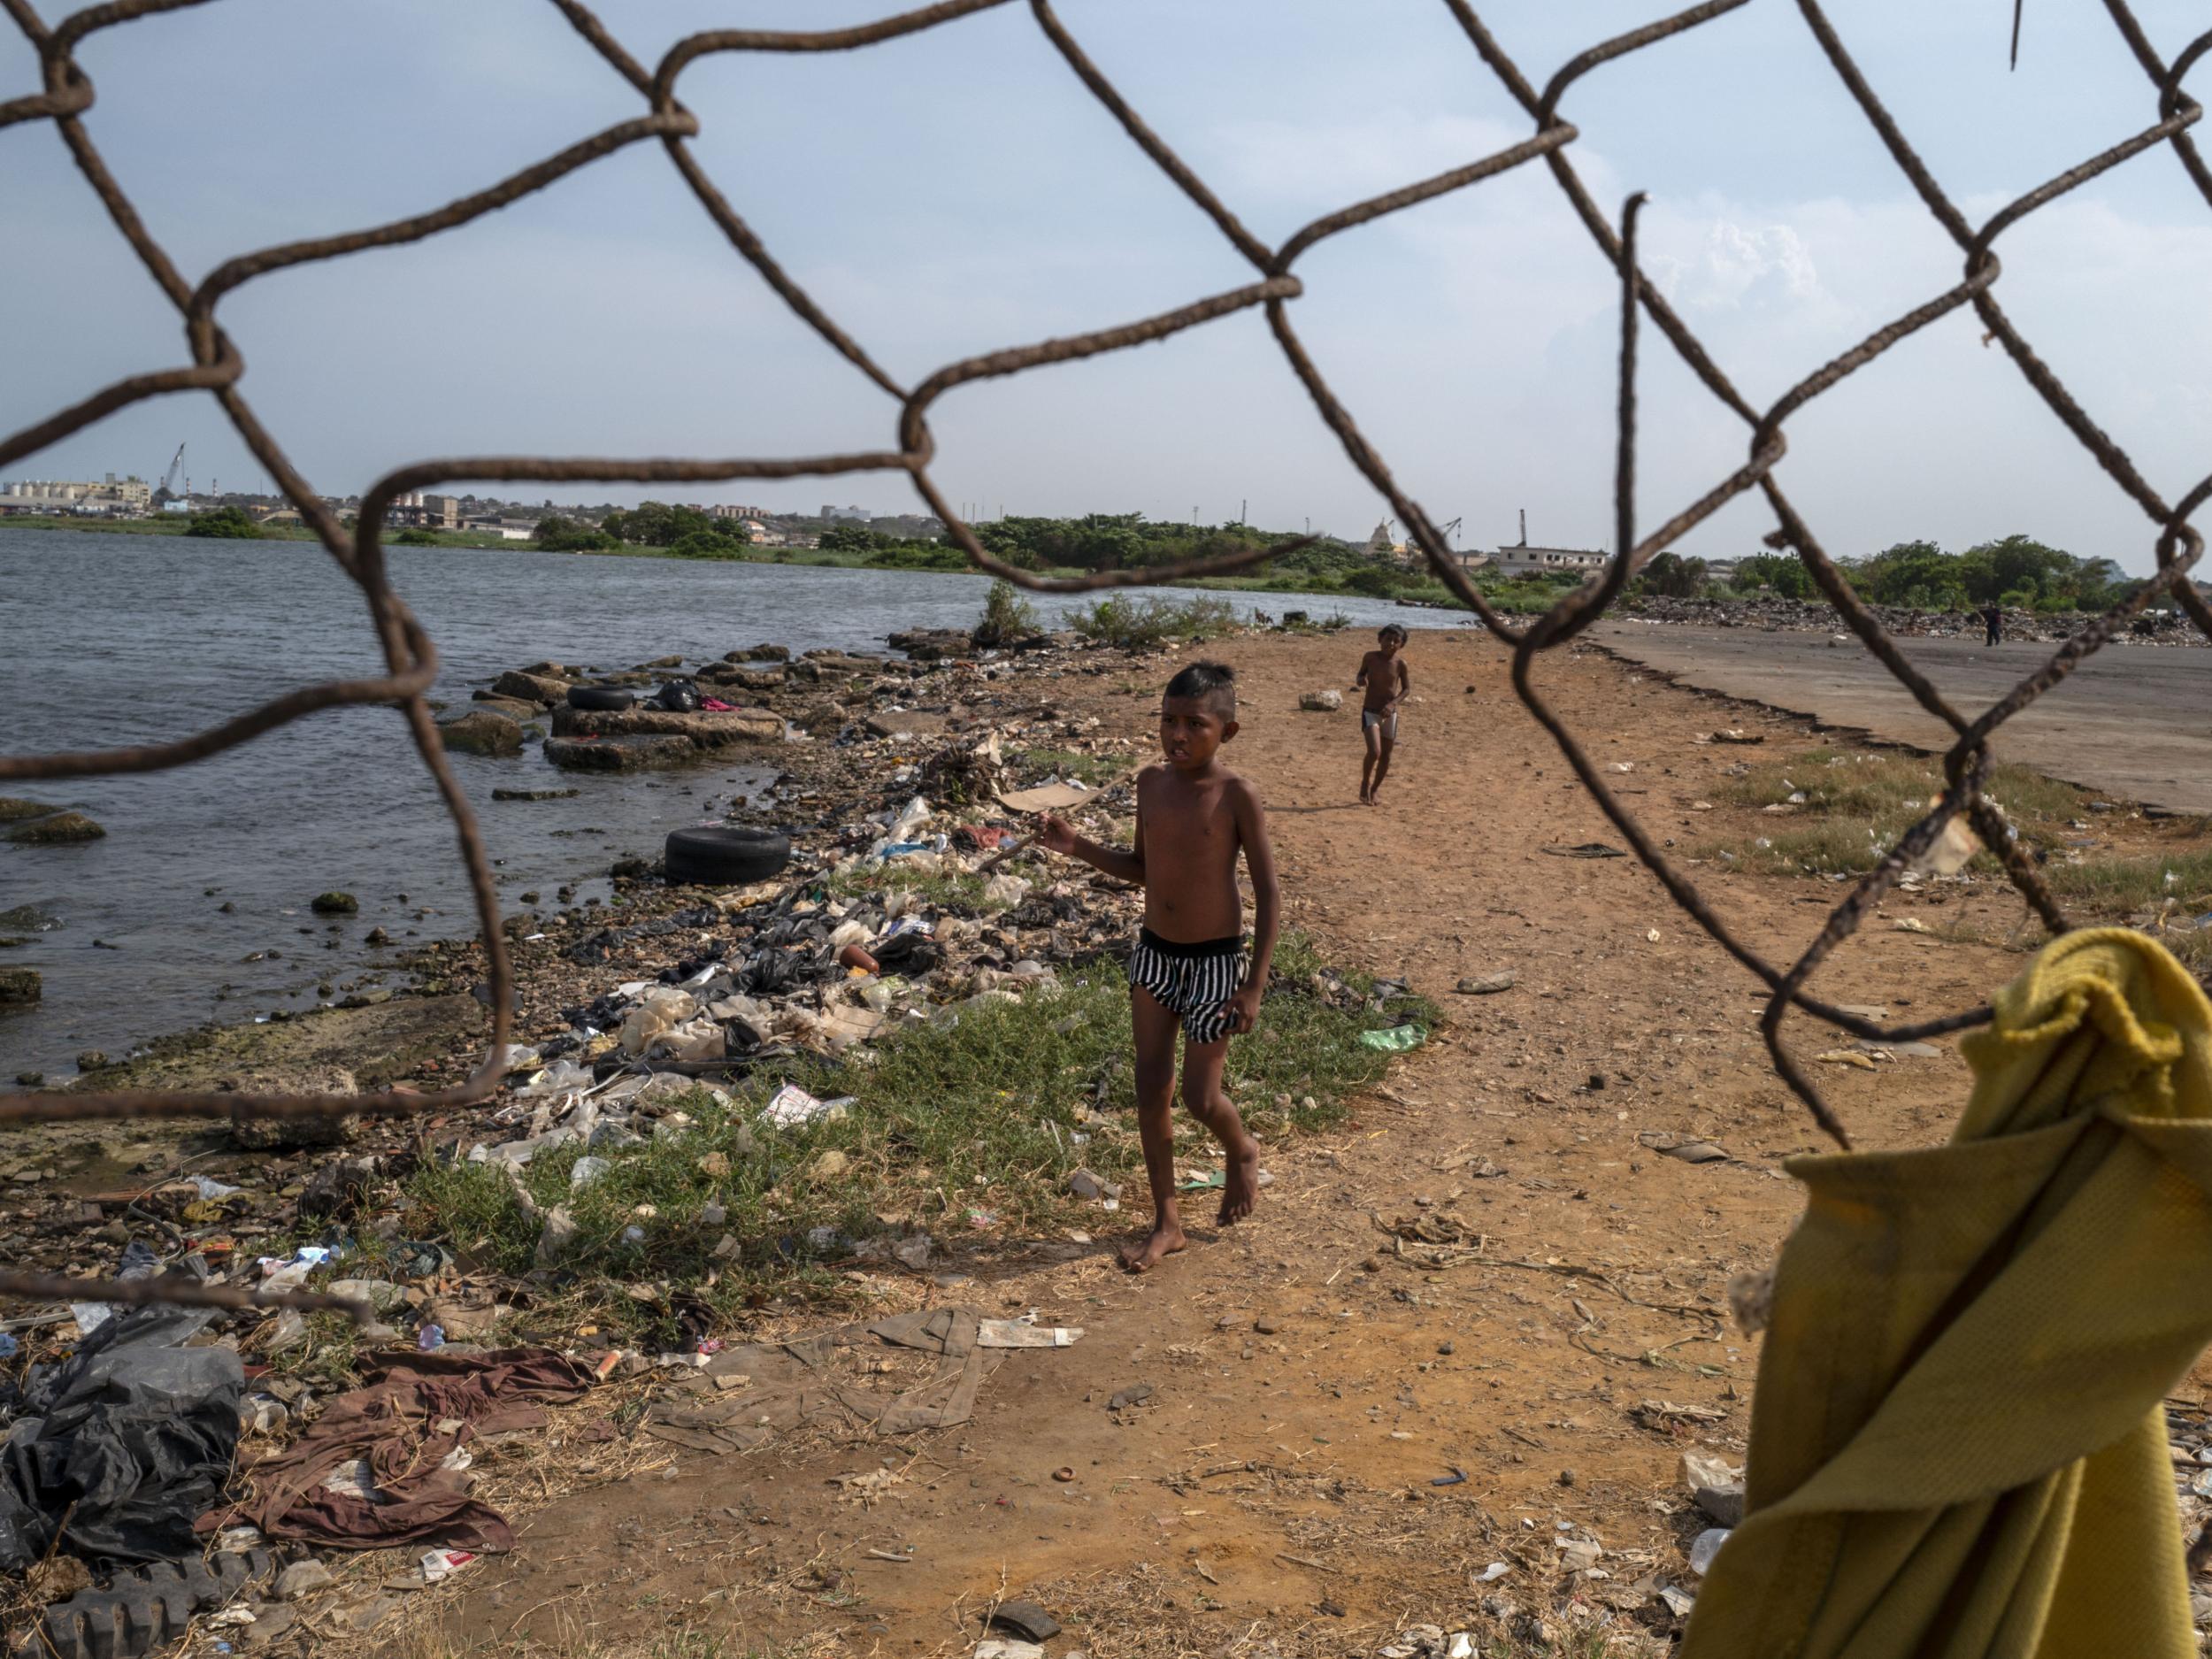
[1817, 616]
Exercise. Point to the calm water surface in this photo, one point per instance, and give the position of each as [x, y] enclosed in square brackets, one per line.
[109, 640]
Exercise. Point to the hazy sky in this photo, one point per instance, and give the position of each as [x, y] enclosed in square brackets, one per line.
[959, 191]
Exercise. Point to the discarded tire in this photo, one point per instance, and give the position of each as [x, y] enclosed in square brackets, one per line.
[724, 856]
[143, 1608]
[599, 697]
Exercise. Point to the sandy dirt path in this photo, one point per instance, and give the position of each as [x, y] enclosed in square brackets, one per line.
[1311, 1387]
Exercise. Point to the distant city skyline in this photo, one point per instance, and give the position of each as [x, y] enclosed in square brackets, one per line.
[958, 191]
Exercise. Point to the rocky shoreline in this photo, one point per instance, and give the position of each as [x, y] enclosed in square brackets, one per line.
[651, 1033]
[1791, 615]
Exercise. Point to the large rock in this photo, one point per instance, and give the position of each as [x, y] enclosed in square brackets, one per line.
[906, 722]
[14, 808]
[743, 677]
[703, 729]
[933, 645]
[481, 732]
[20, 985]
[760, 654]
[529, 688]
[56, 829]
[1321, 702]
[514, 707]
[332, 1129]
[619, 754]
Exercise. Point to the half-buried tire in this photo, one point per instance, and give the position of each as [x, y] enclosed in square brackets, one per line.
[725, 854]
[602, 697]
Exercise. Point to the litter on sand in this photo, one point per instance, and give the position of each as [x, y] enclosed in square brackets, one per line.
[1586, 849]
[1397, 1039]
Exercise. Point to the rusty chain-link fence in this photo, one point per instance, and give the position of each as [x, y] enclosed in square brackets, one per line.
[411, 657]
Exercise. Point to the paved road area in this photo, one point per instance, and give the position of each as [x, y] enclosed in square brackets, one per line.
[2135, 720]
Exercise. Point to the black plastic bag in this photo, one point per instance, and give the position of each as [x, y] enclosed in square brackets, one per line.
[678, 696]
[134, 1430]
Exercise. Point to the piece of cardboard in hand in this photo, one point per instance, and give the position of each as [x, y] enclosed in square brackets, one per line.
[1050, 797]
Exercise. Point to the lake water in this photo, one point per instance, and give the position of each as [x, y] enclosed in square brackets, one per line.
[112, 639]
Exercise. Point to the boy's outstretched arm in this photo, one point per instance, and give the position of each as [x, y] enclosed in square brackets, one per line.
[1243, 1008]
[1057, 834]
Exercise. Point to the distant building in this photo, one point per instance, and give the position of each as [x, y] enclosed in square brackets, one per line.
[417, 510]
[111, 494]
[1521, 560]
[845, 515]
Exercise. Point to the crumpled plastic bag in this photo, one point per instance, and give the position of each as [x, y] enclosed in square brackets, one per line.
[134, 1430]
[1397, 1039]
[699, 1039]
[660, 1007]
[1003, 893]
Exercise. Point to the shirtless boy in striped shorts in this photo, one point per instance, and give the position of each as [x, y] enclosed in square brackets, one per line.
[1189, 965]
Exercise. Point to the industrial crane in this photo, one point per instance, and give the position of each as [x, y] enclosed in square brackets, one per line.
[169, 479]
[1448, 532]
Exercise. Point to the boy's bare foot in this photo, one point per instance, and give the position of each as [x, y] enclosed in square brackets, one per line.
[1159, 1244]
[1242, 1186]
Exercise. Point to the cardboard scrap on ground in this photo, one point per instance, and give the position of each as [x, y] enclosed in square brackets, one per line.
[1048, 797]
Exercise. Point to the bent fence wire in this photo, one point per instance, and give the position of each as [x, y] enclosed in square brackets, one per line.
[411, 657]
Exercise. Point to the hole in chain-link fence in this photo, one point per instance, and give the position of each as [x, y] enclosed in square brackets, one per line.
[217, 368]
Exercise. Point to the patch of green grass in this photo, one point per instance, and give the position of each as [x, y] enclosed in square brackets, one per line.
[1154, 620]
[1067, 763]
[1840, 846]
[2121, 887]
[1856, 804]
[972, 1112]
[1893, 791]
[958, 890]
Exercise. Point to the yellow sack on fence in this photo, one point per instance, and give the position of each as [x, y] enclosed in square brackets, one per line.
[1958, 1449]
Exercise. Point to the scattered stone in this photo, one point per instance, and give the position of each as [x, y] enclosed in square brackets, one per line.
[704, 728]
[905, 722]
[20, 985]
[1025, 1619]
[60, 829]
[532, 795]
[377, 936]
[303, 1578]
[528, 687]
[91, 1059]
[1722, 1505]
[1321, 702]
[1127, 1397]
[269, 1623]
[1487, 985]
[14, 809]
[619, 754]
[331, 1129]
[335, 903]
[1266, 1324]
[481, 732]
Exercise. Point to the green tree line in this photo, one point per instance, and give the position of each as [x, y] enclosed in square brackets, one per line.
[2016, 571]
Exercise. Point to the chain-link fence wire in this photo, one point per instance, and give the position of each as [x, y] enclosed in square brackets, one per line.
[410, 658]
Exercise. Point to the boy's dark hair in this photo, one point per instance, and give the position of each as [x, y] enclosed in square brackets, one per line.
[1389, 628]
[1214, 683]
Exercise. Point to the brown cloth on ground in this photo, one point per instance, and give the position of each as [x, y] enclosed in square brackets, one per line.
[797, 1382]
[414, 1411]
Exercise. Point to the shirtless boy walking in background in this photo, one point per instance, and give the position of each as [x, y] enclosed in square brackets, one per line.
[1189, 965]
[1388, 679]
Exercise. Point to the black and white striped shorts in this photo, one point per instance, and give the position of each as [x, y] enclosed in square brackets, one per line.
[1192, 981]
